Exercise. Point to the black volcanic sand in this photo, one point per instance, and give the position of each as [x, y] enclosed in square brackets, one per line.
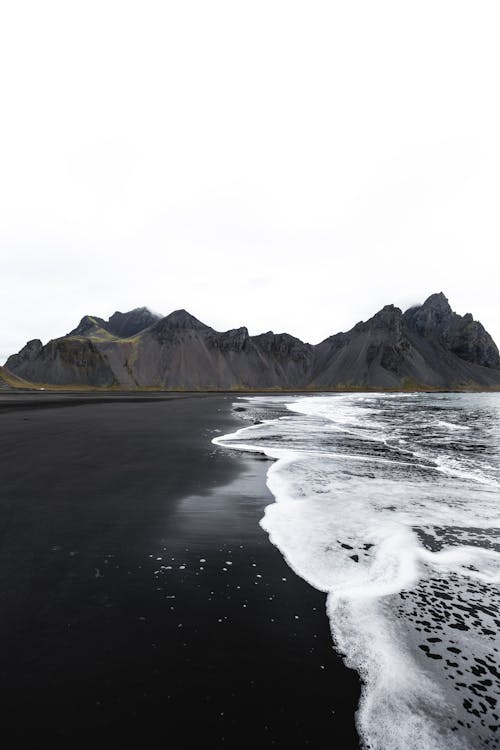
[112, 630]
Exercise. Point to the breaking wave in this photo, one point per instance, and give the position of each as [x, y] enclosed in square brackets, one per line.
[389, 503]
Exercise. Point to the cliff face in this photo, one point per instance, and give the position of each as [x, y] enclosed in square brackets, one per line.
[462, 335]
[181, 351]
[428, 345]
[372, 353]
[67, 361]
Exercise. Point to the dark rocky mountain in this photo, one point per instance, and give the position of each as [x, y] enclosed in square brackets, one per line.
[120, 324]
[427, 346]
[25, 356]
[131, 323]
[65, 361]
[460, 334]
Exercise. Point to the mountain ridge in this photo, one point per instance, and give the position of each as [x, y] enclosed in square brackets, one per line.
[428, 345]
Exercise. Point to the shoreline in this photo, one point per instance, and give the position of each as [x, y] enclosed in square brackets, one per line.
[101, 636]
[47, 389]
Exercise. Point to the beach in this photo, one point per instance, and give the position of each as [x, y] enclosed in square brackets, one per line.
[141, 600]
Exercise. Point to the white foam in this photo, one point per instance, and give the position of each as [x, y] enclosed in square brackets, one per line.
[450, 425]
[347, 523]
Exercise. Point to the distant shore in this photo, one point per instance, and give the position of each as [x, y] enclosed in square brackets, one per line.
[35, 388]
[141, 599]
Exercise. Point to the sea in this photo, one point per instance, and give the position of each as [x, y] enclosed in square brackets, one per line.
[390, 504]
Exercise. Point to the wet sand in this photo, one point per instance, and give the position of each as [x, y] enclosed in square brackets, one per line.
[140, 599]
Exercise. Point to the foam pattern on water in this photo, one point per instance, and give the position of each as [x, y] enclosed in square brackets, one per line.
[390, 504]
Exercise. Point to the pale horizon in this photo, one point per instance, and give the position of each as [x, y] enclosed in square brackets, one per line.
[276, 166]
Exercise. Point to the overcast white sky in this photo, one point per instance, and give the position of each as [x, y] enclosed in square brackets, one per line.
[281, 165]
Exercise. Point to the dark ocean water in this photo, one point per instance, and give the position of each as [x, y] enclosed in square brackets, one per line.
[390, 503]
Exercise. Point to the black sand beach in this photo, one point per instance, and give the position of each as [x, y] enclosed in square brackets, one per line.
[140, 599]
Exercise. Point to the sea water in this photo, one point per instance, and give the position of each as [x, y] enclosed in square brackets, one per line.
[390, 503]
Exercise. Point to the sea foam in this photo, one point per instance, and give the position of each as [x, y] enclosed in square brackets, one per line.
[389, 505]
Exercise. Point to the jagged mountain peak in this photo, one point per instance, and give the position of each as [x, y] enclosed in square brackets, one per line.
[430, 315]
[181, 319]
[132, 322]
[141, 309]
[388, 318]
[429, 345]
[119, 324]
[241, 331]
[87, 325]
[136, 311]
[387, 315]
[437, 301]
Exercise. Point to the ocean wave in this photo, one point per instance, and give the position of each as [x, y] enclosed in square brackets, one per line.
[404, 543]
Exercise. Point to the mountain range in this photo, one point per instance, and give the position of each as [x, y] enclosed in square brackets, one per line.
[428, 346]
